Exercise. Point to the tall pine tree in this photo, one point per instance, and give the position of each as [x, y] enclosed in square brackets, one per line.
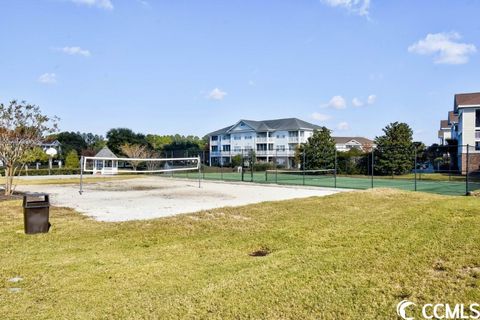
[395, 150]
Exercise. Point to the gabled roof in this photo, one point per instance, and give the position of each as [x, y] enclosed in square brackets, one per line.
[452, 117]
[270, 125]
[465, 99]
[344, 140]
[444, 124]
[106, 153]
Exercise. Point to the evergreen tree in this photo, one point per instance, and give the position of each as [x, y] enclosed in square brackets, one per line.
[319, 150]
[71, 161]
[395, 149]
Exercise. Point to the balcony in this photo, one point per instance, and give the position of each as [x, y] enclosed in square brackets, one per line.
[293, 139]
[261, 139]
[259, 153]
[477, 135]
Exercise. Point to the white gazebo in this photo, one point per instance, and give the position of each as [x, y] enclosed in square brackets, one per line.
[105, 166]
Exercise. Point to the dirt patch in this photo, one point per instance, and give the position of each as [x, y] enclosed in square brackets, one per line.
[261, 252]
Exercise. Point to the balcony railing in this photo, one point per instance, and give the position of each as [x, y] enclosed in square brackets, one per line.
[477, 135]
[261, 153]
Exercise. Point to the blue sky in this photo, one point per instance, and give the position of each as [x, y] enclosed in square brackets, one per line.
[191, 67]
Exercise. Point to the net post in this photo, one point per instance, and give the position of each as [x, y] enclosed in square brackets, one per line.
[467, 163]
[81, 176]
[373, 165]
[415, 164]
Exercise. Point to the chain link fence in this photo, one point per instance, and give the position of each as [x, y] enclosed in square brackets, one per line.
[448, 170]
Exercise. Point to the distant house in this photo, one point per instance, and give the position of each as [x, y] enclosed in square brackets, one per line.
[349, 143]
[105, 166]
[55, 144]
[272, 140]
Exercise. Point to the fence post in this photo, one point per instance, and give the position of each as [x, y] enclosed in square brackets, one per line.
[276, 166]
[466, 177]
[252, 163]
[373, 164]
[221, 167]
[243, 162]
[303, 167]
[335, 173]
[415, 169]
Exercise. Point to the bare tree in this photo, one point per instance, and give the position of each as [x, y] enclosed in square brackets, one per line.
[22, 127]
[134, 151]
[152, 165]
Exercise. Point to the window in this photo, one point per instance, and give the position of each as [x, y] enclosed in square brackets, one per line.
[214, 148]
[226, 147]
[302, 133]
[226, 137]
[281, 148]
[214, 138]
[261, 147]
[237, 149]
[280, 136]
[248, 137]
[477, 118]
[477, 145]
[237, 137]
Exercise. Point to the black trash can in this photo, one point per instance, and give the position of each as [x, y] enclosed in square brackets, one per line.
[36, 210]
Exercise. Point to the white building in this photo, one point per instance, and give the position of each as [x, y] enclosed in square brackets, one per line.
[272, 140]
[467, 131]
[105, 166]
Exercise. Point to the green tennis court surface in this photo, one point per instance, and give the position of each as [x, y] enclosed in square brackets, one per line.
[349, 182]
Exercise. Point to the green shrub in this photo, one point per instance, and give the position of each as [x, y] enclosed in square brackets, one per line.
[71, 161]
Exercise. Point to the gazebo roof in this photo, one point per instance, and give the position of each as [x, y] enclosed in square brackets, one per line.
[106, 153]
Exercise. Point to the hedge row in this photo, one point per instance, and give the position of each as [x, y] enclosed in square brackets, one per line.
[45, 172]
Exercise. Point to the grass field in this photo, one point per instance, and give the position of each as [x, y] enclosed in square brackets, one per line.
[346, 256]
[434, 183]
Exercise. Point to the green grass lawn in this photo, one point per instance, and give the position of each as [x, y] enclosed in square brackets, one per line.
[347, 256]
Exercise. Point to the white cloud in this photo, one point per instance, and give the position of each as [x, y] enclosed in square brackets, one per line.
[343, 126]
[216, 94]
[337, 102]
[444, 47]
[320, 116]
[75, 51]
[48, 78]
[103, 4]
[360, 7]
[357, 102]
[371, 99]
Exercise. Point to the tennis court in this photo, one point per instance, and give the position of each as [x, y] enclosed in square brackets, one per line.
[457, 187]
